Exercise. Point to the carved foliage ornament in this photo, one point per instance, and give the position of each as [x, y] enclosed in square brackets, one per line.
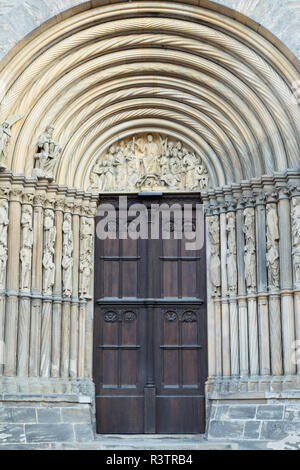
[149, 162]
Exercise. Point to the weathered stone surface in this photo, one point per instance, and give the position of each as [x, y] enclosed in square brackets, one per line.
[242, 412]
[252, 429]
[226, 429]
[273, 430]
[19, 17]
[83, 433]
[10, 433]
[49, 415]
[49, 433]
[76, 415]
[270, 412]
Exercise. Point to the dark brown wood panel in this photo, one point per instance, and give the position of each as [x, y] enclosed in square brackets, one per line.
[150, 331]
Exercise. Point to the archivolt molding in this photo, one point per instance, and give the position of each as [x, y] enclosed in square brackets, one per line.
[213, 82]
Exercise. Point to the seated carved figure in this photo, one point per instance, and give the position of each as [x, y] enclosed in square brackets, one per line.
[47, 155]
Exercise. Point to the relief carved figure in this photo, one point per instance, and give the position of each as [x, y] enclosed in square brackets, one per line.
[296, 238]
[215, 262]
[5, 134]
[86, 257]
[231, 254]
[48, 254]
[26, 249]
[3, 241]
[67, 259]
[250, 250]
[149, 161]
[47, 155]
[272, 247]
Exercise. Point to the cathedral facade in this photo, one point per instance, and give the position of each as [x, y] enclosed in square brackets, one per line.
[194, 101]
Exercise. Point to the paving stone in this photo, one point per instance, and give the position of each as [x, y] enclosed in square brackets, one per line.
[273, 430]
[83, 432]
[76, 414]
[11, 433]
[269, 412]
[252, 429]
[49, 433]
[226, 429]
[49, 415]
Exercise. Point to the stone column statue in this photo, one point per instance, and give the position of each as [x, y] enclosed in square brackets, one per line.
[5, 134]
[26, 249]
[272, 247]
[250, 250]
[296, 238]
[67, 260]
[215, 262]
[3, 241]
[48, 262]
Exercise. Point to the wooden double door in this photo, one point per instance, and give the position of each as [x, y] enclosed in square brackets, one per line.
[150, 352]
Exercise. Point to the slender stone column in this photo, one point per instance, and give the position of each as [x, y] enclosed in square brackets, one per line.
[262, 285]
[75, 295]
[12, 306]
[295, 217]
[68, 266]
[89, 323]
[286, 280]
[48, 283]
[224, 292]
[37, 278]
[272, 256]
[232, 287]
[81, 337]
[242, 303]
[211, 328]
[214, 268]
[87, 233]
[4, 195]
[25, 282]
[57, 288]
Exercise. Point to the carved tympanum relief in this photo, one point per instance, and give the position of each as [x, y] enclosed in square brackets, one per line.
[250, 250]
[48, 254]
[3, 240]
[149, 161]
[67, 259]
[26, 248]
[272, 247]
[296, 238]
[215, 262]
[47, 155]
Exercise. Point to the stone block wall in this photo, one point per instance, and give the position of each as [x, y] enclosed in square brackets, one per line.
[39, 424]
[265, 421]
